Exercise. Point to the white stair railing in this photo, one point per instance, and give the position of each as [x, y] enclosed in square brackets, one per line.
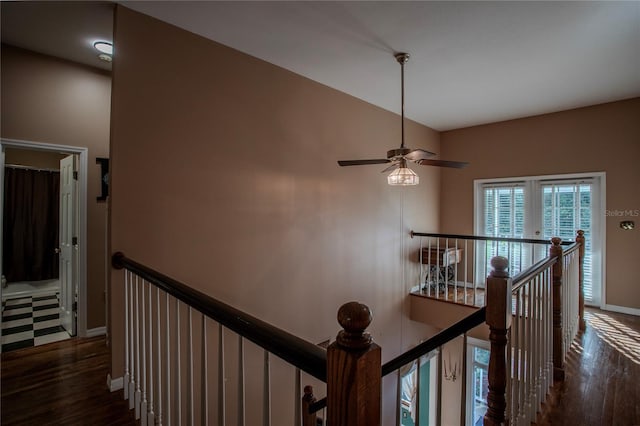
[532, 333]
[169, 331]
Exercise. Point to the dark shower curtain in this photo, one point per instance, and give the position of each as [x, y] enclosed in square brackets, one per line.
[30, 224]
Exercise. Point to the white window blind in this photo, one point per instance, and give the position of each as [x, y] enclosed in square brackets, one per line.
[567, 207]
[504, 216]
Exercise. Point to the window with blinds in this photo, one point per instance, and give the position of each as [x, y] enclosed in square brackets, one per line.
[504, 213]
[566, 207]
[541, 207]
[504, 216]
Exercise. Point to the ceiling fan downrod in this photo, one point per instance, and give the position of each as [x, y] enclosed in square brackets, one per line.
[402, 59]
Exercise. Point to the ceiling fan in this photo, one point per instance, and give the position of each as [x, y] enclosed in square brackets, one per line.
[401, 174]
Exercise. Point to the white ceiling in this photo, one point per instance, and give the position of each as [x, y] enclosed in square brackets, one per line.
[471, 62]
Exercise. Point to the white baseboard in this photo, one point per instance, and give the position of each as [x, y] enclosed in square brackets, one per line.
[115, 384]
[622, 309]
[98, 331]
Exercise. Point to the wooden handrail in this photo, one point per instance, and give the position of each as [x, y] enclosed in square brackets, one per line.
[442, 338]
[304, 355]
[479, 238]
[523, 277]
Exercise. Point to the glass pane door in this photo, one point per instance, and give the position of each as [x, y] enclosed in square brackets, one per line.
[567, 207]
[540, 208]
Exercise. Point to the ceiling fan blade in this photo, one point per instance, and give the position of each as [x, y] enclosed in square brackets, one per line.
[362, 162]
[419, 154]
[391, 167]
[443, 163]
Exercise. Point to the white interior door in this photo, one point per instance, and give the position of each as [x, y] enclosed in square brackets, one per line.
[67, 244]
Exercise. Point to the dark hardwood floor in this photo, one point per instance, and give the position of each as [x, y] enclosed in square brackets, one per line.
[65, 383]
[61, 383]
[602, 383]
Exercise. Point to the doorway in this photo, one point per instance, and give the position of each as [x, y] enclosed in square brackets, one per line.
[542, 207]
[68, 302]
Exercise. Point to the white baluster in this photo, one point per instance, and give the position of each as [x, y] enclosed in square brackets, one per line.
[190, 396]
[398, 394]
[520, 354]
[168, 357]
[421, 262]
[455, 271]
[127, 312]
[530, 351]
[132, 348]
[474, 272]
[221, 378]
[266, 399]
[138, 375]
[241, 400]
[466, 267]
[151, 417]
[438, 260]
[143, 406]
[159, 354]
[205, 374]
[535, 348]
[444, 271]
[510, 375]
[178, 378]
[429, 277]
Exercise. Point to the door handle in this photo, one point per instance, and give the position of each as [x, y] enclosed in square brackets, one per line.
[57, 250]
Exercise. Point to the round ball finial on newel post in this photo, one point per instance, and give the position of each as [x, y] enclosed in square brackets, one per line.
[354, 317]
[500, 264]
[354, 380]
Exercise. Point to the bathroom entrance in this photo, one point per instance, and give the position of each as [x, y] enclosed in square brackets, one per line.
[40, 245]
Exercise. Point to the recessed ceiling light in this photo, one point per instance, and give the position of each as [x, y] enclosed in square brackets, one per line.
[104, 47]
[105, 57]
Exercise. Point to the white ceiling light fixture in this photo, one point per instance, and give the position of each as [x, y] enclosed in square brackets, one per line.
[104, 47]
[106, 50]
[403, 176]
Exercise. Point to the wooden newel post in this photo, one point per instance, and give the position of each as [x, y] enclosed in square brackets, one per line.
[581, 240]
[354, 371]
[558, 356]
[498, 291]
[308, 419]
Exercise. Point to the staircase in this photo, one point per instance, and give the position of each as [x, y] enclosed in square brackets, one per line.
[191, 358]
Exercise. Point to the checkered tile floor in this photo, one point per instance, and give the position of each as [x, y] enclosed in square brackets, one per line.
[31, 321]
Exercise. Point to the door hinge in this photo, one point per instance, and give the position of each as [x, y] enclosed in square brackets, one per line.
[74, 241]
[75, 175]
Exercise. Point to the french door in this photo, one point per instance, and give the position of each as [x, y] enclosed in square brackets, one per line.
[541, 208]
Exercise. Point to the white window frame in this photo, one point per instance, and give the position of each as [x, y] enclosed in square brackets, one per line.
[469, 403]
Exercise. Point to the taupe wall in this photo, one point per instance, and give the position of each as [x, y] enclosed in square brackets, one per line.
[601, 138]
[54, 101]
[224, 176]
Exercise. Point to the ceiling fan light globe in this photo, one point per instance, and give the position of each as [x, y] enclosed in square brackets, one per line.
[403, 176]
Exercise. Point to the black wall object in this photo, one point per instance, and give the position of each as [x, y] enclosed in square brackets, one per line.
[104, 178]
